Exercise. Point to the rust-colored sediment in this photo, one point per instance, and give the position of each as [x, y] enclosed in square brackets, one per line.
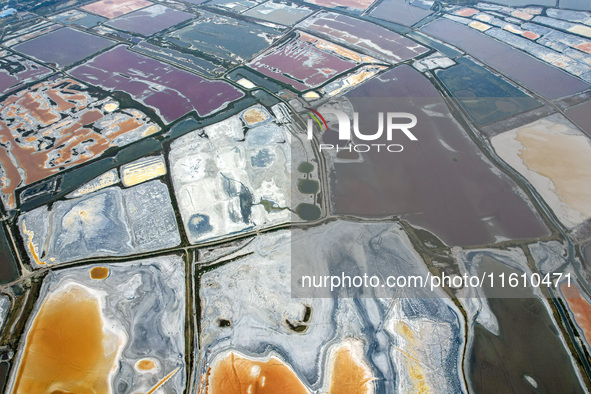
[40, 143]
[254, 115]
[349, 374]
[234, 374]
[10, 181]
[531, 35]
[100, 273]
[580, 308]
[66, 349]
[238, 375]
[30, 234]
[145, 365]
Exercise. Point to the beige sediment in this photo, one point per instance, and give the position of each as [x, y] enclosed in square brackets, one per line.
[411, 361]
[556, 159]
[254, 116]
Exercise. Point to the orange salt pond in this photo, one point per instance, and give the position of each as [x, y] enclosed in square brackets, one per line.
[99, 272]
[254, 116]
[145, 365]
[236, 374]
[580, 308]
[66, 349]
[349, 374]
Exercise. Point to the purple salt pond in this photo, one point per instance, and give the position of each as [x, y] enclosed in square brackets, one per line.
[581, 115]
[306, 61]
[150, 20]
[171, 91]
[63, 47]
[440, 182]
[15, 71]
[369, 37]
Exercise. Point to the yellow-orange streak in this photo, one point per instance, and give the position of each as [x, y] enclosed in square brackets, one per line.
[30, 235]
[163, 380]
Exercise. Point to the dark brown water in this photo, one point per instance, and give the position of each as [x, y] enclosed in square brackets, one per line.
[8, 264]
[581, 115]
[440, 182]
[4, 367]
[528, 344]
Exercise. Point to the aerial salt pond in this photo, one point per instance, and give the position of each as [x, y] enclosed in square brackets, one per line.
[289, 63]
[368, 37]
[150, 20]
[316, 340]
[109, 222]
[74, 46]
[122, 69]
[132, 336]
[15, 71]
[525, 69]
[236, 175]
[49, 144]
[432, 186]
[169, 194]
[111, 9]
[283, 13]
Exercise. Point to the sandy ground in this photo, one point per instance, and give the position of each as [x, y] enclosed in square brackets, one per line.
[555, 158]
